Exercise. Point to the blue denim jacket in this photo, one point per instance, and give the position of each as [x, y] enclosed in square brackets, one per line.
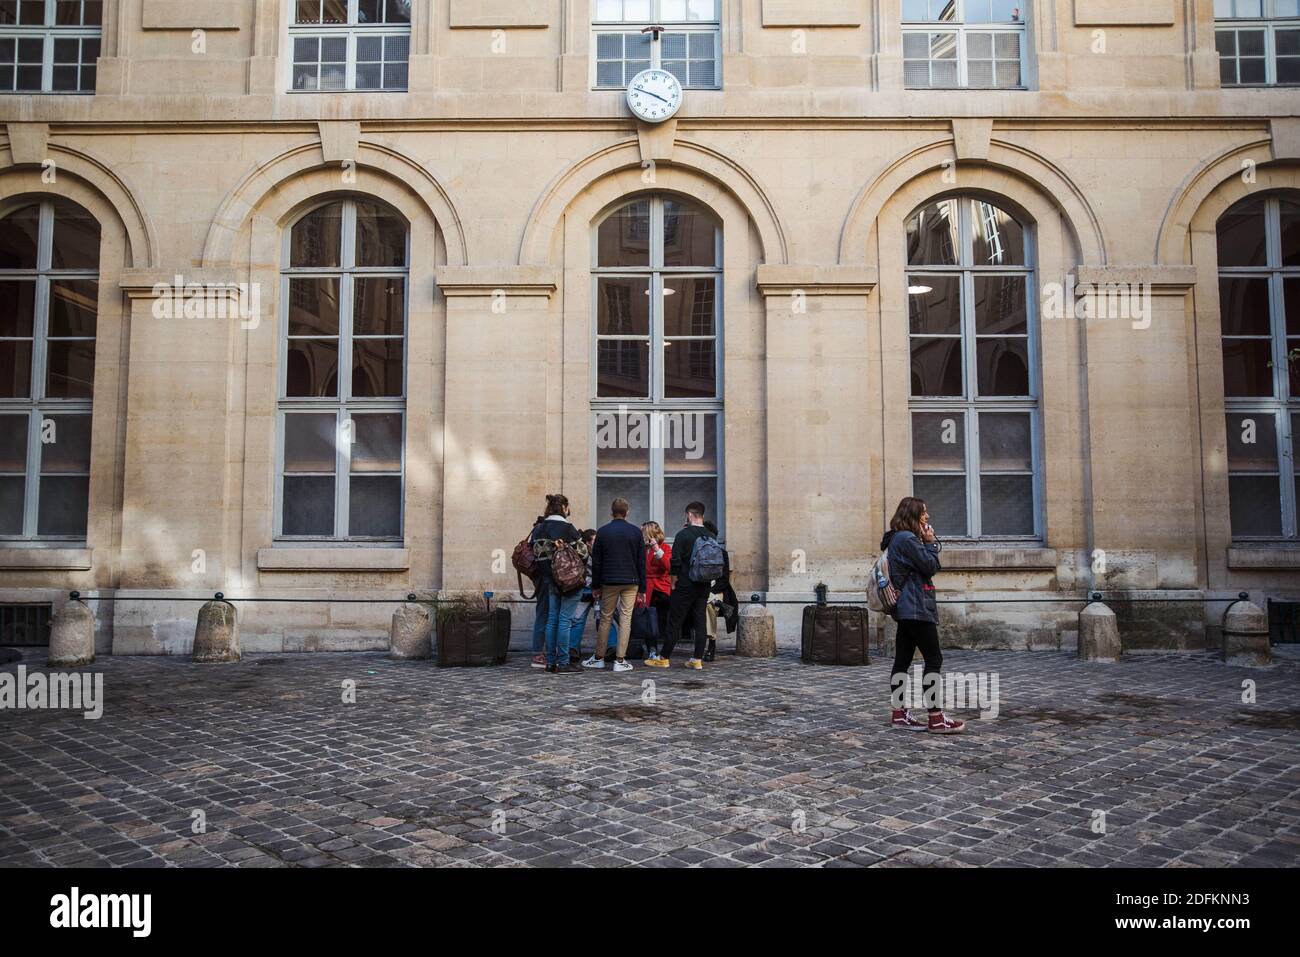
[912, 564]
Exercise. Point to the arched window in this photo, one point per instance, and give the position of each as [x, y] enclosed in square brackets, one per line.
[343, 370]
[1259, 306]
[49, 303]
[657, 404]
[974, 391]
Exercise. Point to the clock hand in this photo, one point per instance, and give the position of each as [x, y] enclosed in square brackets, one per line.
[655, 95]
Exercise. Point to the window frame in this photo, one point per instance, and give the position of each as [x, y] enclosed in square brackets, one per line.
[1282, 405]
[1269, 22]
[961, 28]
[351, 31]
[39, 407]
[344, 405]
[636, 27]
[656, 405]
[970, 405]
[48, 32]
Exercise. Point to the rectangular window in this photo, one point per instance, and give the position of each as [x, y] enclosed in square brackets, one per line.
[350, 45]
[1258, 42]
[976, 44]
[49, 46]
[689, 46]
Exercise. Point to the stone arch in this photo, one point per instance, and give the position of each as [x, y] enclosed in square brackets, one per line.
[1011, 171]
[1208, 192]
[694, 171]
[289, 175]
[93, 185]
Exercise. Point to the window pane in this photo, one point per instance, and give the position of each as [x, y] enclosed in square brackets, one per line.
[381, 236]
[12, 488]
[936, 367]
[308, 505]
[623, 307]
[624, 237]
[945, 496]
[1006, 444]
[934, 305]
[1000, 305]
[1252, 442]
[370, 11]
[18, 235]
[998, 239]
[690, 307]
[1246, 367]
[70, 368]
[1241, 235]
[635, 490]
[68, 445]
[317, 239]
[1291, 305]
[309, 442]
[932, 235]
[623, 368]
[13, 443]
[15, 369]
[689, 236]
[680, 492]
[398, 11]
[1003, 366]
[17, 307]
[1290, 213]
[314, 306]
[76, 239]
[377, 366]
[380, 306]
[377, 442]
[690, 369]
[1244, 306]
[312, 368]
[334, 11]
[1255, 505]
[938, 442]
[1007, 504]
[63, 506]
[690, 442]
[74, 304]
[307, 11]
[623, 442]
[375, 506]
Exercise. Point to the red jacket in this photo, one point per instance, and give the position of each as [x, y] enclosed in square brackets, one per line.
[656, 571]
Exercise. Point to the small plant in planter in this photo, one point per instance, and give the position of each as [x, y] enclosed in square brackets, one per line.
[469, 632]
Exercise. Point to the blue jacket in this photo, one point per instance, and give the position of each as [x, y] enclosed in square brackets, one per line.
[618, 556]
[912, 564]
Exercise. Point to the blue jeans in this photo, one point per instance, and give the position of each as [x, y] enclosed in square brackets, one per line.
[539, 619]
[579, 626]
[560, 611]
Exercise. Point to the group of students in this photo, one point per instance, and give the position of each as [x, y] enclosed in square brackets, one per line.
[628, 567]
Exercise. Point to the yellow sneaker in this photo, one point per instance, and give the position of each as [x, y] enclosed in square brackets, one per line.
[656, 662]
[695, 663]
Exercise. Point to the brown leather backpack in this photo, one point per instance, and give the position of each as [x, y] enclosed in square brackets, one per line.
[568, 567]
[525, 561]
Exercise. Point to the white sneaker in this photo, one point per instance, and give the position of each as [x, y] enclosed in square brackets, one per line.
[594, 662]
[622, 666]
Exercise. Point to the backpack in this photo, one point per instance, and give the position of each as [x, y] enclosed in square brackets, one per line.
[525, 561]
[707, 560]
[882, 596]
[568, 567]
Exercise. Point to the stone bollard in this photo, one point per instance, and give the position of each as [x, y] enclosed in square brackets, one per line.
[411, 634]
[1245, 636]
[1099, 634]
[756, 633]
[216, 639]
[72, 635]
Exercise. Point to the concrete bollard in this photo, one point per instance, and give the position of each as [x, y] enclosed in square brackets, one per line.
[72, 636]
[756, 633]
[1099, 634]
[411, 634]
[216, 638]
[1245, 636]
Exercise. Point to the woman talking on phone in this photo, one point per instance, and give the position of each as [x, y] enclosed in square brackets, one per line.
[913, 559]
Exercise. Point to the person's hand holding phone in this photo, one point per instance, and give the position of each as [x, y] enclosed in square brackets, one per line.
[927, 533]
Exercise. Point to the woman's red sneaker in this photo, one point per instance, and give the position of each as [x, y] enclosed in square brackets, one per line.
[940, 723]
[903, 720]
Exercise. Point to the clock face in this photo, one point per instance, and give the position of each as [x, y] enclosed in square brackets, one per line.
[654, 95]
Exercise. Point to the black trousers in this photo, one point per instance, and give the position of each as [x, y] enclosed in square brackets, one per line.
[912, 635]
[661, 603]
[689, 601]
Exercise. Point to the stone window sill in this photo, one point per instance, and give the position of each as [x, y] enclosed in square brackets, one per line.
[44, 558]
[333, 559]
[1264, 556]
[970, 558]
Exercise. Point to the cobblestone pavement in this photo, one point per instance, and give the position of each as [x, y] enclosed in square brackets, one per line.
[751, 762]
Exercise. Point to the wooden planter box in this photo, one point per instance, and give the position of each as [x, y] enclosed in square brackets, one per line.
[473, 640]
